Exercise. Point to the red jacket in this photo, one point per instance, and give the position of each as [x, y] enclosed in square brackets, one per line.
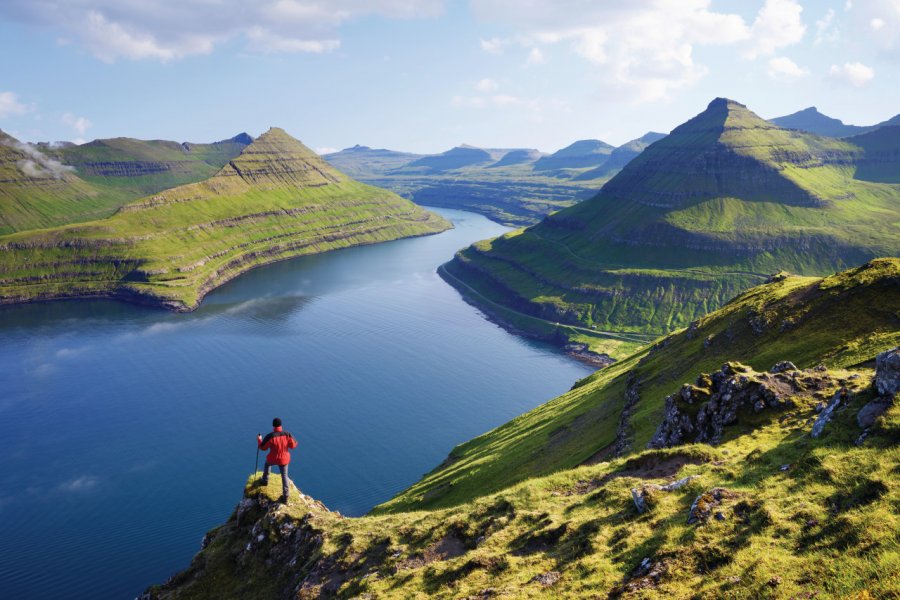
[279, 444]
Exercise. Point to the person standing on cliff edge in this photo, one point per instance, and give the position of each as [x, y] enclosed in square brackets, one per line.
[279, 443]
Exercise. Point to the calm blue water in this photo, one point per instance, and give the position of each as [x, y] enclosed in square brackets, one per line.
[127, 432]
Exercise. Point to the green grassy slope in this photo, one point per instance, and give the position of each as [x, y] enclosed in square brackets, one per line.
[276, 200]
[841, 320]
[134, 168]
[38, 191]
[798, 517]
[699, 216]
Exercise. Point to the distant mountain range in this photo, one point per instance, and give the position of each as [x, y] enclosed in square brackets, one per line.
[720, 204]
[515, 186]
[812, 121]
[271, 199]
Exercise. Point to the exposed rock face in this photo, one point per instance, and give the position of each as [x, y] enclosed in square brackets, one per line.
[887, 372]
[700, 412]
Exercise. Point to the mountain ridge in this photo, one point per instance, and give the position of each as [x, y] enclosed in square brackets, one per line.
[714, 207]
[173, 247]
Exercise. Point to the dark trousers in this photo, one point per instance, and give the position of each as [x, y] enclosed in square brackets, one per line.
[285, 482]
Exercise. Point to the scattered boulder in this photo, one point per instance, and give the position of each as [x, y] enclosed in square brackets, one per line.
[547, 579]
[887, 372]
[707, 504]
[871, 411]
[826, 415]
[643, 496]
[782, 366]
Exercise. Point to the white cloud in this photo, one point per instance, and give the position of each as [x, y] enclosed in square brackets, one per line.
[783, 68]
[644, 46]
[493, 45]
[171, 29]
[855, 74]
[486, 85]
[826, 30]
[777, 25]
[876, 24]
[37, 164]
[79, 124]
[322, 150]
[10, 105]
[536, 57]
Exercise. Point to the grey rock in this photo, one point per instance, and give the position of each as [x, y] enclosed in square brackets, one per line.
[871, 411]
[781, 367]
[547, 579]
[887, 372]
[706, 503]
[639, 495]
[826, 415]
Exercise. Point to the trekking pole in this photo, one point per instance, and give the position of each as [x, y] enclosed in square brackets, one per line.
[256, 468]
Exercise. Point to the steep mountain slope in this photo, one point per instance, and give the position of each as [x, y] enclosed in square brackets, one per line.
[726, 199]
[39, 191]
[276, 200]
[136, 168]
[772, 510]
[881, 159]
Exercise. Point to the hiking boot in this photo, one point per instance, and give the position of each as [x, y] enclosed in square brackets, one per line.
[263, 482]
[283, 499]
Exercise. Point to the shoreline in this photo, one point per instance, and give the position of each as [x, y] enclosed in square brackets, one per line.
[577, 351]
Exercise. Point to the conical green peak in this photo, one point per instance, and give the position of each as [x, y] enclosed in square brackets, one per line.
[277, 158]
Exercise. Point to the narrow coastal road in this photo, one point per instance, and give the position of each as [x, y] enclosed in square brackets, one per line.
[628, 337]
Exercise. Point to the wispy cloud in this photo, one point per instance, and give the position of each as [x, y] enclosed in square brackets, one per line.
[37, 164]
[79, 485]
[10, 106]
[854, 74]
[167, 30]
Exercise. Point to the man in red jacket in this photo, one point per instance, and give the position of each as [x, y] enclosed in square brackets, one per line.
[279, 443]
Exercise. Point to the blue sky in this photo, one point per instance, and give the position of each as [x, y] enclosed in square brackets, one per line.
[425, 75]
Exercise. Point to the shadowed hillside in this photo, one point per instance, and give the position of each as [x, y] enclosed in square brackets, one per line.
[722, 202]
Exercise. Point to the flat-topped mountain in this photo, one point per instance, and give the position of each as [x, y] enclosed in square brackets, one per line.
[455, 158]
[275, 200]
[812, 121]
[726, 199]
[578, 155]
[621, 156]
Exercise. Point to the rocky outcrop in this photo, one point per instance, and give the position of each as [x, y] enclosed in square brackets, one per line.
[887, 372]
[701, 412]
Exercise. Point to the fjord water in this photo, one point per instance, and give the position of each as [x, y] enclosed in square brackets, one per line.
[127, 432]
